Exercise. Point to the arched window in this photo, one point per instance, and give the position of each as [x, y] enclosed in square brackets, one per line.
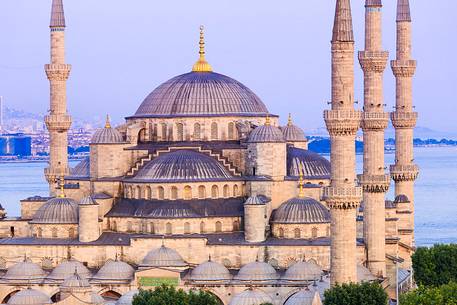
[328, 231]
[197, 132]
[202, 227]
[297, 233]
[214, 131]
[54, 232]
[236, 226]
[138, 192]
[281, 232]
[174, 193]
[180, 132]
[129, 226]
[71, 233]
[218, 226]
[164, 132]
[201, 192]
[40, 232]
[114, 226]
[142, 136]
[187, 192]
[231, 131]
[144, 227]
[151, 228]
[226, 191]
[168, 229]
[148, 193]
[186, 228]
[235, 191]
[214, 191]
[160, 192]
[314, 232]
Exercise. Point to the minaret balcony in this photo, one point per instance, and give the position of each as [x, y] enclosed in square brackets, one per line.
[403, 119]
[342, 122]
[373, 61]
[58, 122]
[53, 175]
[374, 183]
[58, 72]
[404, 172]
[377, 121]
[403, 68]
[346, 197]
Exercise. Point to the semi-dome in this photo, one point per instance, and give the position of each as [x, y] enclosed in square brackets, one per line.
[364, 274]
[163, 257]
[183, 165]
[201, 94]
[67, 269]
[257, 271]
[250, 297]
[127, 298]
[301, 210]
[266, 134]
[304, 297]
[401, 199]
[88, 200]
[114, 270]
[303, 271]
[24, 271]
[256, 200]
[57, 211]
[293, 133]
[311, 164]
[29, 297]
[210, 271]
[75, 282]
[107, 135]
[82, 169]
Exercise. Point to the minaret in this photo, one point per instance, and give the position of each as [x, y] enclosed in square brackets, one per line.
[58, 121]
[343, 196]
[374, 180]
[404, 172]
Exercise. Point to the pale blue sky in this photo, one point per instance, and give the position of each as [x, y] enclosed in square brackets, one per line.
[122, 50]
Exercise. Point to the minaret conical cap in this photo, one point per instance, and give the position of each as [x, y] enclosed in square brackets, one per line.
[57, 14]
[342, 27]
[403, 11]
[373, 3]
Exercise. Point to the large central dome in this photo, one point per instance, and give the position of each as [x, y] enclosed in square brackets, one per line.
[201, 94]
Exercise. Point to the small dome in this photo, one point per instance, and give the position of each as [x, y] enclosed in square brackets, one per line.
[67, 269]
[304, 297]
[402, 199]
[250, 297]
[115, 270]
[311, 164]
[107, 135]
[75, 282]
[210, 271]
[256, 200]
[88, 200]
[266, 134]
[303, 271]
[301, 210]
[24, 271]
[257, 271]
[163, 257]
[364, 274]
[82, 169]
[127, 298]
[293, 133]
[57, 211]
[29, 297]
[183, 165]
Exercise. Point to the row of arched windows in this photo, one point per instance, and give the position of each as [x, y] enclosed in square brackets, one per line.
[297, 233]
[146, 192]
[70, 233]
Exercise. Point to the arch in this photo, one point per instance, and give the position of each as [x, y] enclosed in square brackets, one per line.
[314, 232]
[201, 192]
[151, 228]
[160, 192]
[174, 193]
[54, 232]
[138, 192]
[46, 263]
[218, 226]
[214, 131]
[142, 136]
[168, 229]
[297, 233]
[148, 193]
[144, 226]
[202, 228]
[197, 131]
[71, 233]
[129, 226]
[328, 231]
[187, 192]
[179, 132]
[225, 191]
[231, 131]
[186, 228]
[114, 226]
[235, 190]
[56, 297]
[164, 131]
[227, 263]
[39, 232]
[312, 261]
[274, 262]
[9, 295]
[214, 192]
[281, 232]
[236, 225]
[111, 295]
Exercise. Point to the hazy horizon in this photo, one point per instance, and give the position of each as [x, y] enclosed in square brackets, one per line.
[120, 52]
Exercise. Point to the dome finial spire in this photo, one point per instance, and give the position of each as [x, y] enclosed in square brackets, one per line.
[62, 187]
[301, 193]
[289, 120]
[107, 123]
[202, 65]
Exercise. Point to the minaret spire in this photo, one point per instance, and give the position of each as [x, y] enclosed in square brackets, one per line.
[403, 11]
[202, 65]
[57, 14]
[342, 27]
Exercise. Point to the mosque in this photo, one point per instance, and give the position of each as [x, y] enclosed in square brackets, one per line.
[202, 188]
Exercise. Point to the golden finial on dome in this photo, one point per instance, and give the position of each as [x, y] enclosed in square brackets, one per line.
[289, 120]
[267, 120]
[301, 193]
[202, 65]
[107, 123]
[62, 187]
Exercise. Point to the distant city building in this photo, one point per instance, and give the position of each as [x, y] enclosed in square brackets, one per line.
[15, 145]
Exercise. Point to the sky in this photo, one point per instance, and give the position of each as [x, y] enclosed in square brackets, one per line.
[121, 50]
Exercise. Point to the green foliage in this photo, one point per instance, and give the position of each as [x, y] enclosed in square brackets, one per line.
[356, 294]
[435, 266]
[166, 295]
[443, 295]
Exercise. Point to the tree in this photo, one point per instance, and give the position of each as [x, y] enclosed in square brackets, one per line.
[435, 266]
[356, 294]
[166, 295]
[443, 295]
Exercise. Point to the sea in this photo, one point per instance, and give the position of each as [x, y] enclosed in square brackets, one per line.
[436, 191]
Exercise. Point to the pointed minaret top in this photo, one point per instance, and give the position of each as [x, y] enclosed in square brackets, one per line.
[403, 11]
[342, 27]
[57, 14]
[373, 3]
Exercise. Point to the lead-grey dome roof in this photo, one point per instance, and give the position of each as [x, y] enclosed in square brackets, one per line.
[293, 133]
[107, 135]
[304, 297]
[266, 134]
[312, 165]
[24, 271]
[183, 165]
[29, 297]
[201, 94]
[163, 257]
[114, 270]
[210, 271]
[303, 271]
[67, 269]
[75, 282]
[127, 298]
[301, 210]
[57, 211]
[257, 271]
[250, 297]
